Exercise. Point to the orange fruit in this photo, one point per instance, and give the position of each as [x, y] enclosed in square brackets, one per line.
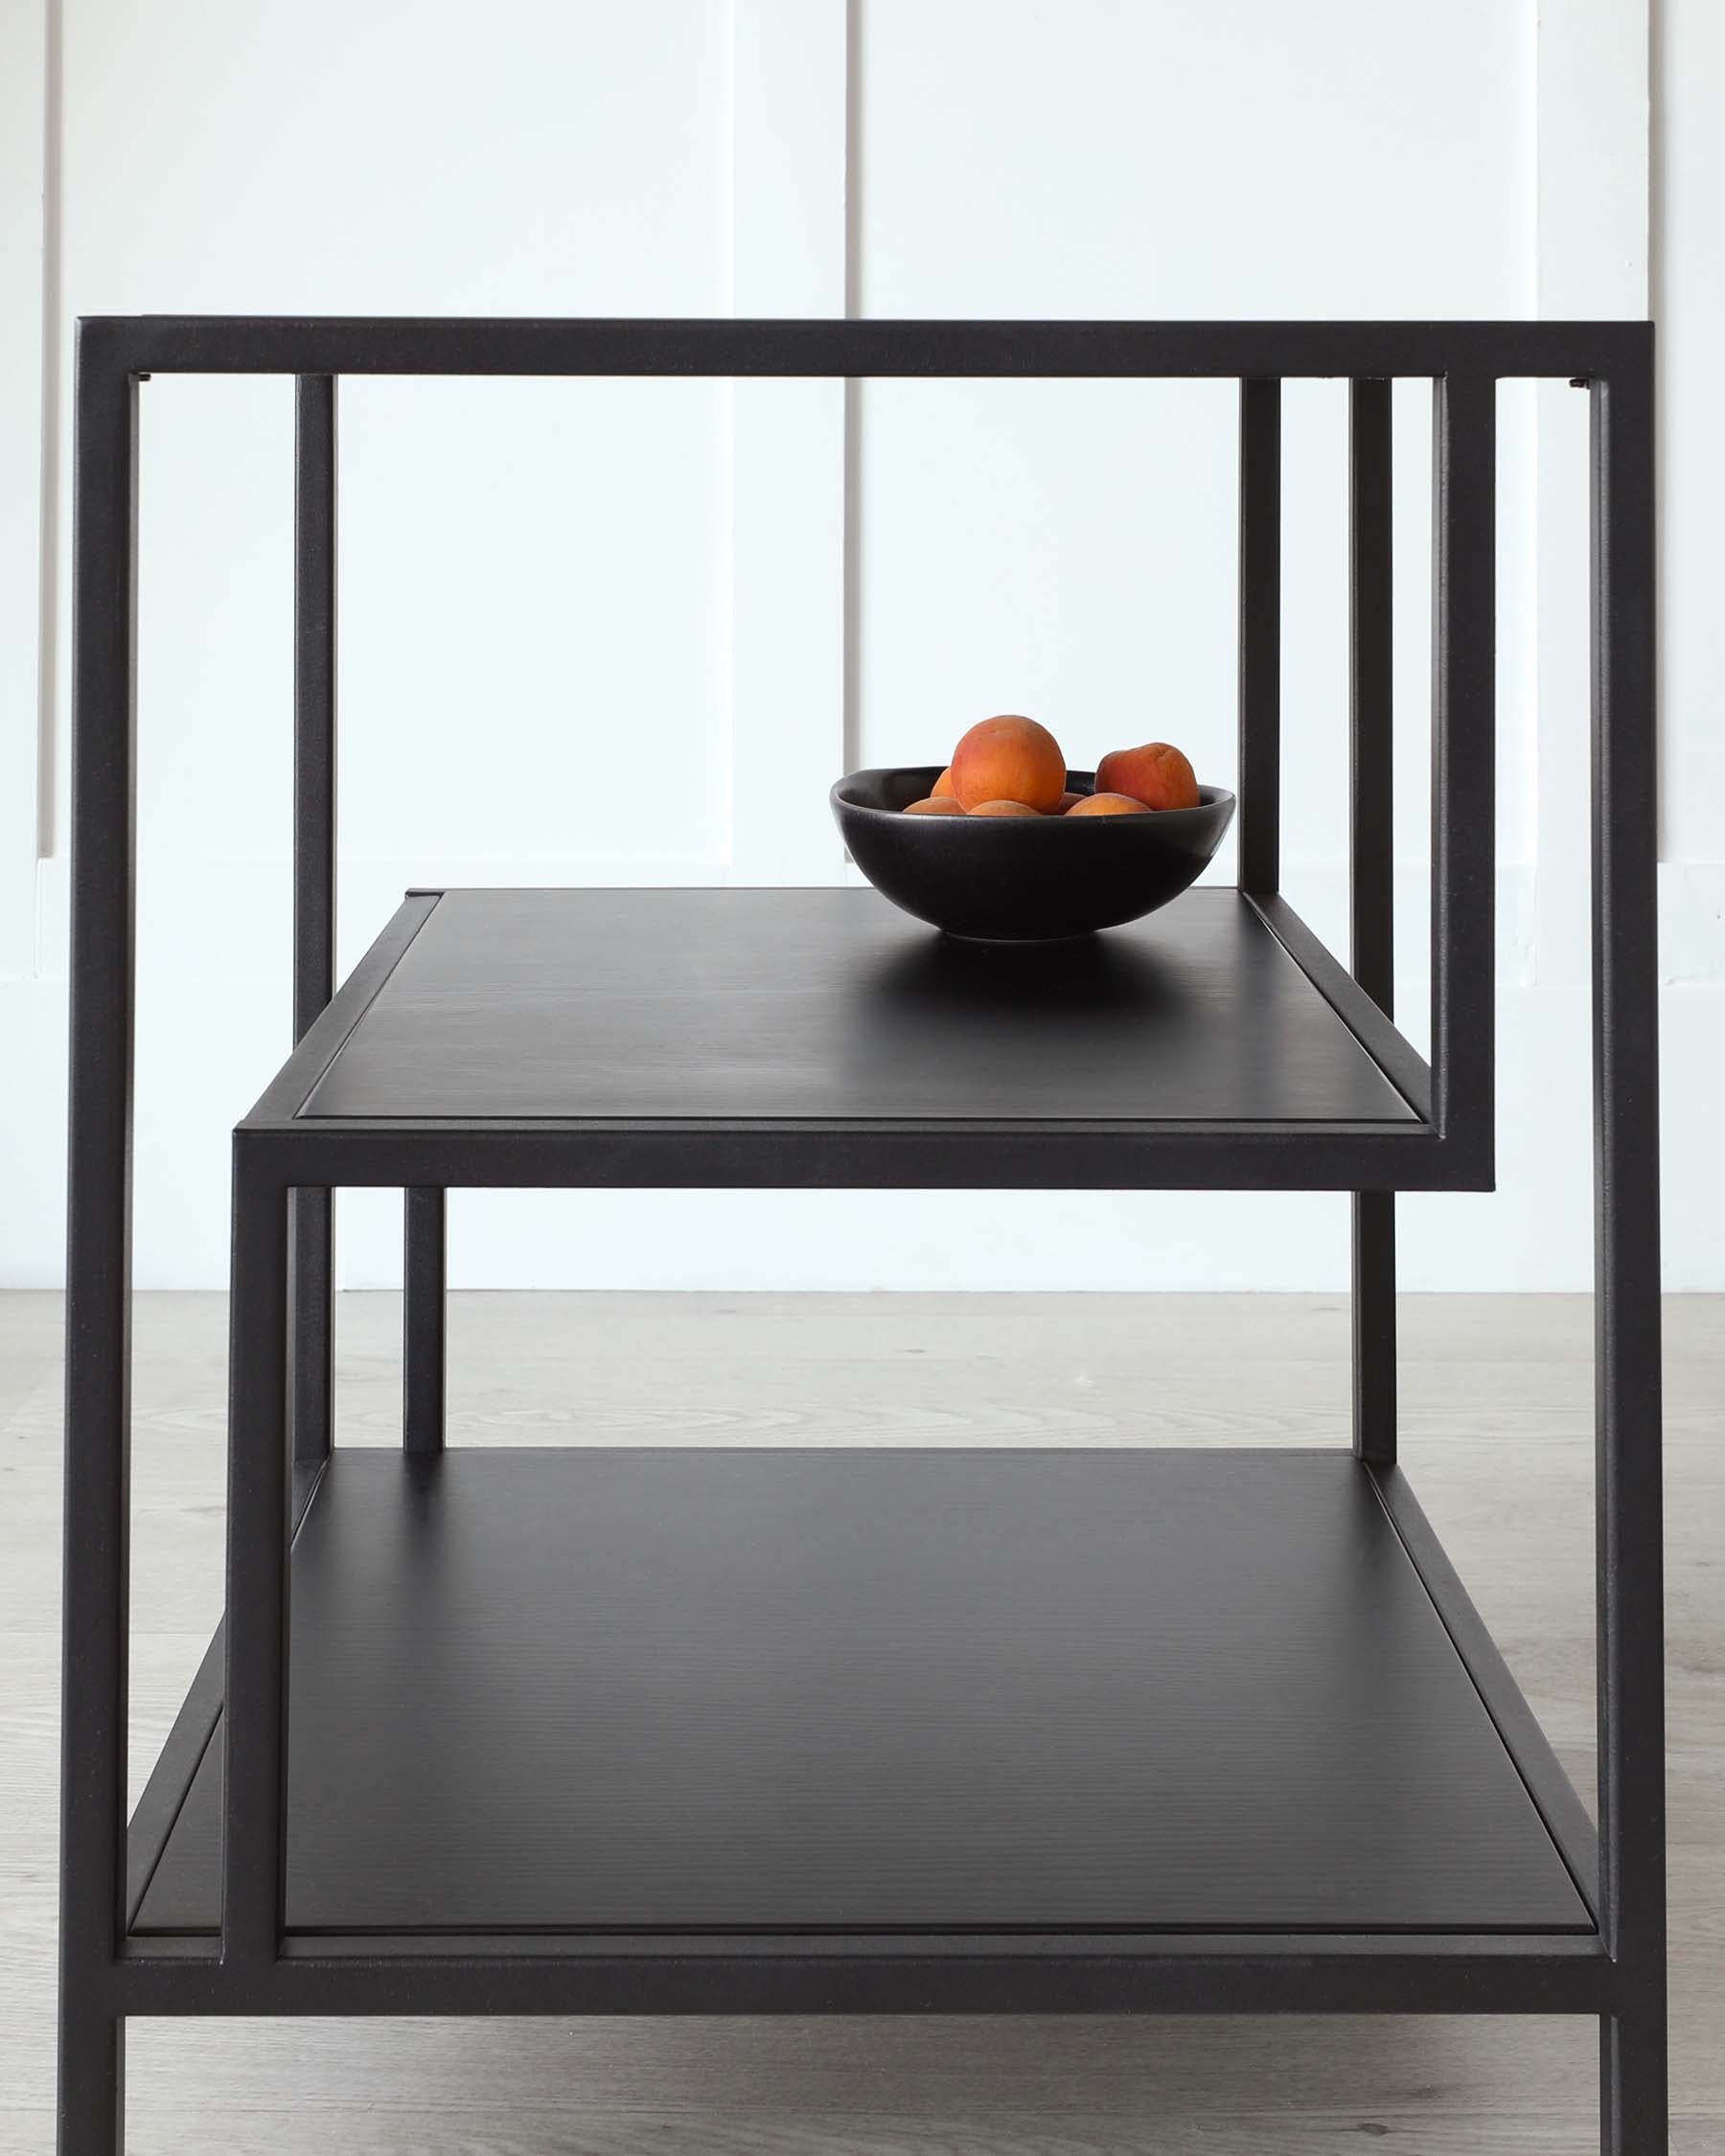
[1009, 758]
[1109, 805]
[1157, 774]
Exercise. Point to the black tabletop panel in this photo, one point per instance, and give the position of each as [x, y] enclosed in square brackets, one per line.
[831, 1004]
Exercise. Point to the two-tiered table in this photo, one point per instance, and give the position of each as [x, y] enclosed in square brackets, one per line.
[900, 1730]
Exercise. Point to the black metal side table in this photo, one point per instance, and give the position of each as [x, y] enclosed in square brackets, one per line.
[600, 1730]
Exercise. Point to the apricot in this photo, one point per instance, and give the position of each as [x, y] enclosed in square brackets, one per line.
[1068, 801]
[1109, 805]
[932, 805]
[1009, 759]
[1005, 809]
[942, 786]
[1157, 774]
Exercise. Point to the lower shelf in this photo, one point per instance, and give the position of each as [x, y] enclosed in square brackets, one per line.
[893, 1691]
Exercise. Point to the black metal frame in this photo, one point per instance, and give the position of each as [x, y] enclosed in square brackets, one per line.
[284, 1173]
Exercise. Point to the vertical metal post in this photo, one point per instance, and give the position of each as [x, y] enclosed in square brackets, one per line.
[98, 1442]
[92, 2084]
[311, 1317]
[1464, 759]
[1372, 879]
[1260, 637]
[424, 1354]
[255, 1709]
[1626, 1315]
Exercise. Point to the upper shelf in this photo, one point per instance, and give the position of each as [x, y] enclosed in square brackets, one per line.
[802, 1036]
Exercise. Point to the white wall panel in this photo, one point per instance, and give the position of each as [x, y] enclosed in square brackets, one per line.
[26, 270]
[624, 633]
[531, 624]
[1688, 303]
[1194, 157]
[400, 158]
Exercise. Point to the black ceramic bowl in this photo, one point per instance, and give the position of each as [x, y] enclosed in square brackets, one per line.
[1015, 880]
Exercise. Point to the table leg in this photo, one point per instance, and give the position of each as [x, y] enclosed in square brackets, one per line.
[424, 1352]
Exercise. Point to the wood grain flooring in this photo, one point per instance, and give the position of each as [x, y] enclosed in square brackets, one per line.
[1497, 1440]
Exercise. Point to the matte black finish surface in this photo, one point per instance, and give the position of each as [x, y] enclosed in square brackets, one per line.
[1015, 880]
[887, 1689]
[1617, 1972]
[1371, 872]
[425, 1349]
[1260, 637]
[372, 344]
[721, 1973]
[1565, 1815]
[1465, 756]
[98, 1481]
[312, 1322]
[831, 1003]
[253, 1734]
[314, 597]
[1628, 1476]
[1371, 691]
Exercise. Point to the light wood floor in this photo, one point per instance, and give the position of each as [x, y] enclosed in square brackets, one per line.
[1497, 1439]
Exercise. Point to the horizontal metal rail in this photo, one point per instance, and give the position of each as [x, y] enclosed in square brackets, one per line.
[347, 1152]
[370, 345]
[412, 1974]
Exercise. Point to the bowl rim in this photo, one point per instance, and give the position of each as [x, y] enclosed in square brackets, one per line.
[1210, 799]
